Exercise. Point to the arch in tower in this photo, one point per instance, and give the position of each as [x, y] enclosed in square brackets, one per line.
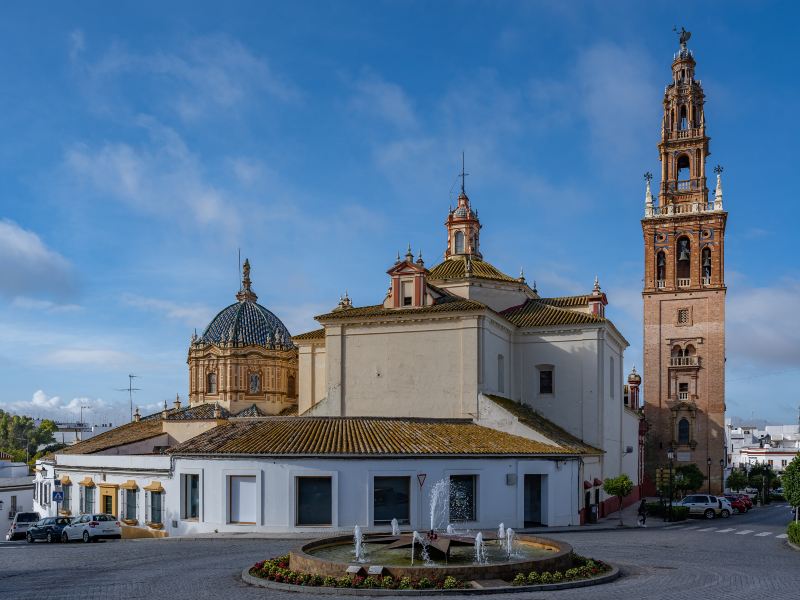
[683, 258]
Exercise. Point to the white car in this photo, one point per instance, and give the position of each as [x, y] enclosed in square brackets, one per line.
[91, 528]
[707, 506]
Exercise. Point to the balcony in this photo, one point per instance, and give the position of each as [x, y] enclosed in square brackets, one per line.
[706, 281]
[683, 396]
[661, 284]
[682, 134]
[685, 185]
[684, 282]
[680, 209]
[684, 361]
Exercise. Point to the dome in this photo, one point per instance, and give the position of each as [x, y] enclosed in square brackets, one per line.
[247, 323]
[461, 212]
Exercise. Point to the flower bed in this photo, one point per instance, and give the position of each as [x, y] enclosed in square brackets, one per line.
[277, 569]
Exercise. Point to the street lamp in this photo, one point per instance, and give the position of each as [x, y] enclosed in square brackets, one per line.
[708, 465]
[670, 457]
[722, 475]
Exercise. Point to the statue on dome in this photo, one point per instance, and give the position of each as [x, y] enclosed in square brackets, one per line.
[683, 36]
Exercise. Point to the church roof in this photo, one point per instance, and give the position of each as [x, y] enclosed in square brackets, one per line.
[443, 305]
[199, 412]
[119, 436]
[251, 411]
[361, 437]
[317, 334]
[247, 323]
[567, 301]
[456, 268]
[548, 429]
[540, 313]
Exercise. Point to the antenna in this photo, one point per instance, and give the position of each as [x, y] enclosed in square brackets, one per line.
[130, 389]
[80, 437]
[239, 272]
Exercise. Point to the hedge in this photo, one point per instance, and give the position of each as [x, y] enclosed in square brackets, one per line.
[794, 532]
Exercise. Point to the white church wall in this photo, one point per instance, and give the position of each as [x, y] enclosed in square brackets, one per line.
[500, 491]
[496, 341]
[496, 295]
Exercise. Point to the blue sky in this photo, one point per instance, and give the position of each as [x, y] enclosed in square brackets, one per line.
[143, 143]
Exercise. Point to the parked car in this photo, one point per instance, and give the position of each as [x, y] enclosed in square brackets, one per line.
[19, 525]
[47, 529]
[737, 503]
[746, 499]
[91, 528]
[707, 506]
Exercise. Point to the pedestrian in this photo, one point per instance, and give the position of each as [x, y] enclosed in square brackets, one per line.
[642, 513]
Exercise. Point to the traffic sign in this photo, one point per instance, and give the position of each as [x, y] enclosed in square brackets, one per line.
[58, 496]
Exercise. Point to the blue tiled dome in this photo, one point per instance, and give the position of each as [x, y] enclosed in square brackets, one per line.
[247, 323]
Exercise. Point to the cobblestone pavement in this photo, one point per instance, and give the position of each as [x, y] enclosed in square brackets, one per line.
[697, 560]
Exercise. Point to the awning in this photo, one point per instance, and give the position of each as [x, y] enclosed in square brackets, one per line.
[154, 486]
[587, 485]
[597, 481]
[86, 482]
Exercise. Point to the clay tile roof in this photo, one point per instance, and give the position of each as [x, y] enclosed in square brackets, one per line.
[455, 268]
[550, 430]
[443, 305]
[567, 301]
[119, 436]
[317, 334]
[251, 411]
[537, 313]
[361, 437]
[199, 412]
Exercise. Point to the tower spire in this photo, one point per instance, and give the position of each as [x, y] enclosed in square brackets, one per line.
[245, 293]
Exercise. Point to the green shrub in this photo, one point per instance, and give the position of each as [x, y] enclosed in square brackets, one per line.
[405, 583]
[546, 577]
[558, 576]
[344, 581]
[519, 579]
[369, 582]
[794, 532]
[388, 582]
[329, 581]
[534, 578]
[680, 513]
[450, 583]
[573, 573]
[424, 583]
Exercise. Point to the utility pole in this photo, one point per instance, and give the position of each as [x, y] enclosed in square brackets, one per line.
[80, 437]
[130, 389]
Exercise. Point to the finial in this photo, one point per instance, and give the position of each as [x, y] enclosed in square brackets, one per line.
[683, 36]
[136, 415]
[165, 405]
[463, 174]
[409, 254]
[648, 195]
[521, 277]
[718, 192]
[398, 256]
[648, 177]
[534, 287]
[245, 293]
[596, 288]
[420, 262]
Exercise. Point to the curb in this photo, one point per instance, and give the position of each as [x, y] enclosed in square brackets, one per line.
[327, 591]
[794, 546]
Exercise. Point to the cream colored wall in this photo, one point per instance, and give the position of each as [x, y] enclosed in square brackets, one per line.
[311, 375]
[496, 295]
[181, 431]
[410, 368]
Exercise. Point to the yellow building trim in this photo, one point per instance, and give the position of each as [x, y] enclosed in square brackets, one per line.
[86, 482]
[109, 490]
[129, 485]
[154, 486]
[65, 513]
[108, 485]
[65, 480]
[155, 525]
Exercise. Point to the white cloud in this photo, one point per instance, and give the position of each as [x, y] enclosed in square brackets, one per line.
[77, 43]
[42, 405]
[192, 314]
[28, 266]
[386, 100]
[162, 178]
[48, 306]
[85, 356]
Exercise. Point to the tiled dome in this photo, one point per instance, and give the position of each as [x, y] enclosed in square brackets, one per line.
[247, 323]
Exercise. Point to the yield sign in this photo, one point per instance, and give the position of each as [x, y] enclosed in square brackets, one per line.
[421, 478]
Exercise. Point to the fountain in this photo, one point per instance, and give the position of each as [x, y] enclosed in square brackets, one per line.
[358, 542]
[501, 534]
[440, 503]
[395, 527]
[450, 529]
[509, 542]
[480, 550]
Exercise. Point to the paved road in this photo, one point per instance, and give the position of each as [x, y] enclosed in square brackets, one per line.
[698, 560]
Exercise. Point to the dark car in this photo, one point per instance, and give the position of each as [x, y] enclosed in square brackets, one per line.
[47, 529]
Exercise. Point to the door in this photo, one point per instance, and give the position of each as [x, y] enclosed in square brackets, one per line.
[242, 499]
[533, 500]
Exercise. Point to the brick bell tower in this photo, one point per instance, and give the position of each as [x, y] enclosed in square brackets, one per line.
[684, 288]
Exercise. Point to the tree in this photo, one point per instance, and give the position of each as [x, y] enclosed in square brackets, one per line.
[737, 480]
[688, 478]
[620, 487]
[21, 437]
[791, 485]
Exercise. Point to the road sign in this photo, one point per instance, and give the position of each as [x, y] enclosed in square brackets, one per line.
[421, 478]
[57, 483]
[58, 496]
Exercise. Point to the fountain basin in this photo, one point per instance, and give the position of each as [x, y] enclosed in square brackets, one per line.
[332, 556]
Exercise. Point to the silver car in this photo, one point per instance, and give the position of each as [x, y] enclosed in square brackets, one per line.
[707, 506]
[91, 528]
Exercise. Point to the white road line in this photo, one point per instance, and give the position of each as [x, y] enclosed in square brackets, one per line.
[707, 529]
[763, 534]
[726, 530]
[744, 531]
[782, 536]
[692, 527]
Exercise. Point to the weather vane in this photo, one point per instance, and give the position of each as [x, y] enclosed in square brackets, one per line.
[718, 169]
[648, 177]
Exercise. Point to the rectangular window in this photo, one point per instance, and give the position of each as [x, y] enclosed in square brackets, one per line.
[783, 462]
[242, 499]
[130, 505]
[462, 497]
[13, 504]
[156, 507]
[683, 316]
[314, 501]
[391, 499]
[66, 504]
[501, 374]
[407, 287]
[545, 381]
[88, 500]
[108, 504]
[190, 496]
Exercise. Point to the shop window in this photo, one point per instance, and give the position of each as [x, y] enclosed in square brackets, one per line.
[391, 500]
[314, 501]
[463, 490]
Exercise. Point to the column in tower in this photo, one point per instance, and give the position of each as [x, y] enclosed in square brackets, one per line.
[684, 288]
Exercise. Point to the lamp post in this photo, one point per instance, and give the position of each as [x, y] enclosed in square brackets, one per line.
[708, 469]
[670, 456]
[722, 475]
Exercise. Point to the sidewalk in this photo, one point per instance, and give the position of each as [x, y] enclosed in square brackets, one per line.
[610, 522]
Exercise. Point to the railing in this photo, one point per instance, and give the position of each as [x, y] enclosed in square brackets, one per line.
[684, 361]
[680, 134]
[679, 209]
[661, 284]
[684, 282]
[683, 395]
[685, 185]
[706, 280]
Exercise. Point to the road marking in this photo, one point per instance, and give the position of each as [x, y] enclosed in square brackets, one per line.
[692, 527]
[763, 534]
[707, 529]
[744, 531]
[726, 530]
[782, 536]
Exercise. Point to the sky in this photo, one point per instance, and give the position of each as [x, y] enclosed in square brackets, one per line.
[142, 144]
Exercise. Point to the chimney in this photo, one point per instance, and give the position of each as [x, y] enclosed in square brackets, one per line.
[164, 412]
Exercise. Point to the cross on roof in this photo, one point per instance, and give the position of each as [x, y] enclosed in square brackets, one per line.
[463, 174]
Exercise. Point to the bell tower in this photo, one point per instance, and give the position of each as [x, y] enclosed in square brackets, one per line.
[463, 226]
[684, 287]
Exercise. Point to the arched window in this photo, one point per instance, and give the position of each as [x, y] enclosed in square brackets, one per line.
[211, 383]
[255, 383]
[661, 266]
[459, 242]
[290, 386]
[683, 432]
[706, 262]
[684, 167]
[683, 267]
[684, 121]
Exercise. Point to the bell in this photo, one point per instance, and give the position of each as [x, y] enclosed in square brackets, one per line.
[706, 261]
[684, 255]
